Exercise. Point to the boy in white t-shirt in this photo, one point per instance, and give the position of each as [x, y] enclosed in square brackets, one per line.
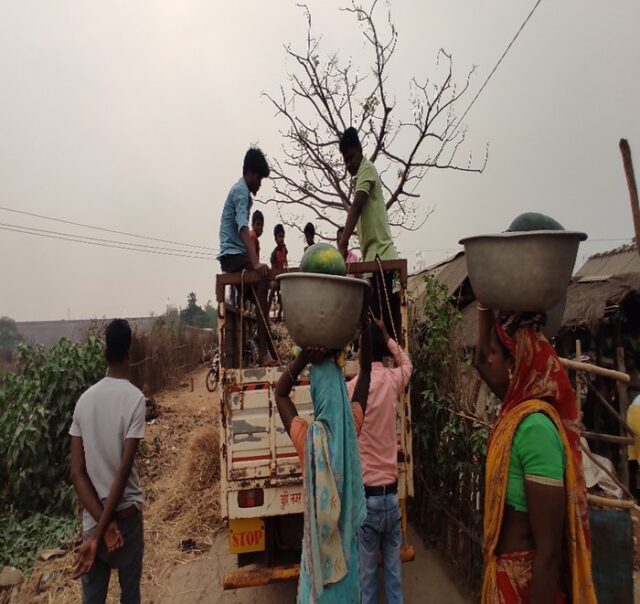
[108, 423]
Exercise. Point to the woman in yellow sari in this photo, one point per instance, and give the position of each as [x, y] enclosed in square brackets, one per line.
[536, 533]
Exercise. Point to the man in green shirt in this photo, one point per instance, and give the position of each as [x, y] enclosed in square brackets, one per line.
[369, 213]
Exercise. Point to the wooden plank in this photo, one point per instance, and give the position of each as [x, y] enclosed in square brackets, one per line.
[621, 504]
[623, 400]
[579, 380]
[595, 369]
[607, 471]
[224, 279]
[610, 408]
[633, 189]
[609, 438]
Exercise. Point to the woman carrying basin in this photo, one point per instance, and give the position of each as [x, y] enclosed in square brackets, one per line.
[536, 533]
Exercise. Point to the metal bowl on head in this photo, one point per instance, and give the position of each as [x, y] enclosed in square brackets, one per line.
[524, 271]
[321, 310]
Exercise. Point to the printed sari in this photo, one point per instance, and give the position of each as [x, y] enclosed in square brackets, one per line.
[539, 384]
[333, 493]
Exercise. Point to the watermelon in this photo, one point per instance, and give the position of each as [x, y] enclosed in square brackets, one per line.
[323, 258]
[534, 221]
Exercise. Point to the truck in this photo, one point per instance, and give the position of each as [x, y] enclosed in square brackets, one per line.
[261, 484]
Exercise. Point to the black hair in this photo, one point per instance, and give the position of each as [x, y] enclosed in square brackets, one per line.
[349, 139]
[256, 162]
[118, 339]
[309, 229]
[379, 346]
[257, 215]
[340, 230]
[278, 229]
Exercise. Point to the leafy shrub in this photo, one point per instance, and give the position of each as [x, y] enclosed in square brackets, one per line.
[36, 406]
[22, 538]
[449, 449]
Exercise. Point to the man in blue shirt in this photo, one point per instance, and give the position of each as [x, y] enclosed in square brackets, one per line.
[237, 253]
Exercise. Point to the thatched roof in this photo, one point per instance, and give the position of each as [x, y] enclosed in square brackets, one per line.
[588, 297]
[451, 272]
[618, 261]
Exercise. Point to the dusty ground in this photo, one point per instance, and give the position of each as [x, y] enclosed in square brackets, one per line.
[427, 580]
[172, 576]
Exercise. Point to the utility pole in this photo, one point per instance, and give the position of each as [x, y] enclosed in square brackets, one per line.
[633, 189]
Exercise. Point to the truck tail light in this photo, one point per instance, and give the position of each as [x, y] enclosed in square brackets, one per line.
[251, 498]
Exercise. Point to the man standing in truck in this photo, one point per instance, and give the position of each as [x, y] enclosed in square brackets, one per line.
[368, 212]
[237, 251]
[381, 533]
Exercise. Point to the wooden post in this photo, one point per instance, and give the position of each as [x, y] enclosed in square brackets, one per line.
[623, 398]
[633, 189]
[579, 379]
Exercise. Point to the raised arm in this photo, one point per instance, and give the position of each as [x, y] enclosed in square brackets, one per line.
[352, 220]
[361, 391]
[481, 355]
[286, 407]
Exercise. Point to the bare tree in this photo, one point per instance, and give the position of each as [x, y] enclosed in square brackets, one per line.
[326, 95]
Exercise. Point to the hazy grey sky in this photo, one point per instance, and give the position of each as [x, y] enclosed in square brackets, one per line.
[136, 115]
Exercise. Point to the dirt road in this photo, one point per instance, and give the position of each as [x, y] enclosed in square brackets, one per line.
[427, 580]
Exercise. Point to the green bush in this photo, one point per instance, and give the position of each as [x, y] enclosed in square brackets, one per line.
[22, 538]
[449, 450]
[36, 407]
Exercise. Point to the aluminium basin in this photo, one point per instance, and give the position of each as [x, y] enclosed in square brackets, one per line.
[524, 271]
[321, 310]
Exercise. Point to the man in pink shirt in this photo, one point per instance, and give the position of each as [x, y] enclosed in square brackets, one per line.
[382, 530]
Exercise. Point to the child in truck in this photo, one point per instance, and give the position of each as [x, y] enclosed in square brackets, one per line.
[257, 226]
[309, 235]
[334, 494]
[279, 262]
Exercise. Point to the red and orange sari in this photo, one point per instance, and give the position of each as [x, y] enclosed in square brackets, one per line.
[539, 383]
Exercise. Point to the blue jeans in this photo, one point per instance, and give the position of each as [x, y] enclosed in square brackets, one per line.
[127, 560]
[381, 533]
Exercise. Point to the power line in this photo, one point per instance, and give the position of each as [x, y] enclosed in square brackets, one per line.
[98, 228]
[120, 243]
[504, 54]
[117, 247]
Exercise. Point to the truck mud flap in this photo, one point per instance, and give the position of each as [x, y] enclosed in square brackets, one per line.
[257, 577]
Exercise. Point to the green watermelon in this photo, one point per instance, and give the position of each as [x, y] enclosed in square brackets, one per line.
[323, 258]
[534, 221]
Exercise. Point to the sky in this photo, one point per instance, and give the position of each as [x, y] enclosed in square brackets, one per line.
[135, 116]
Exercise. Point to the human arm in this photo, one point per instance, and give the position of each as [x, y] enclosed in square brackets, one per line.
[481, 355]
[286, 407]
[87, 553]
[262, 269]
[546, 515]
[541, 453]
[87, 494]
[403, 365]
[353, 216]
[363, 383]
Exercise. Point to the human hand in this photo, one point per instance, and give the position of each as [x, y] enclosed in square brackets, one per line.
[261, 269]
[113, 537]
[86, 557]
[381, 326]
[314, 354]
[343, 248]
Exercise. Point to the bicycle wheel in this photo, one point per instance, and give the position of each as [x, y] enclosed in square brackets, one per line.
[212, 380]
